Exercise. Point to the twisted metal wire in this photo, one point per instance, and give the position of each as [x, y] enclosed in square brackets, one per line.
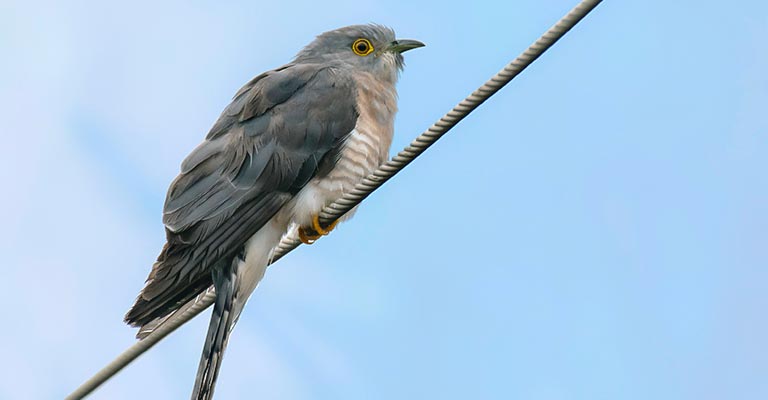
[363, 189]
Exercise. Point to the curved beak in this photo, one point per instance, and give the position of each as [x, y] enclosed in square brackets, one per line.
[403, 45]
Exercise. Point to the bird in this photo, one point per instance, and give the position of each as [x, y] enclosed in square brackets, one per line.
[292, 141]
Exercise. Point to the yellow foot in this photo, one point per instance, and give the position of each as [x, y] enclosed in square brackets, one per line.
[309, 235]
[319, 229]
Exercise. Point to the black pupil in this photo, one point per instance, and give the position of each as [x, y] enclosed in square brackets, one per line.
[362, 47]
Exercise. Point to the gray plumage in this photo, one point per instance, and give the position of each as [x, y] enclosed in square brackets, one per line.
[253, 161]
[292, 141]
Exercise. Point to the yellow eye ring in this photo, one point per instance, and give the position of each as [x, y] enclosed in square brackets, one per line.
[362, 47]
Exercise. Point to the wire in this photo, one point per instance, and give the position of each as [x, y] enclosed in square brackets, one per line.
[363, 189]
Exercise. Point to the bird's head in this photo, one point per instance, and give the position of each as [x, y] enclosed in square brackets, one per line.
[371, 48]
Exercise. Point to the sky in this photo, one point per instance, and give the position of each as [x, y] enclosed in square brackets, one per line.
[597, 230]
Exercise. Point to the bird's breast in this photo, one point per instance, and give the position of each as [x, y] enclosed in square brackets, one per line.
[365, 148]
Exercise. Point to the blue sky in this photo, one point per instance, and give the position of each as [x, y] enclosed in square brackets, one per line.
[595, 231]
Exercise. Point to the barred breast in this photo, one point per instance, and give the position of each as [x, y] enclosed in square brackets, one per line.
[365, 149]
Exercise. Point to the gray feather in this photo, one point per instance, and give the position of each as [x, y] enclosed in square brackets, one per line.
[278, 132]
[222, 319]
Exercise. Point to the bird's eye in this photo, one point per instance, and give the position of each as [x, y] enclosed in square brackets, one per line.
[362, 47]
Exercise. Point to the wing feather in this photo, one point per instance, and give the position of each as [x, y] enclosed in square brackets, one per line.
[267, 144]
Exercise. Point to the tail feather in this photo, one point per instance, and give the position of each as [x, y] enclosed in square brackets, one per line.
[156, 324]
[233, 284]
[222, 319]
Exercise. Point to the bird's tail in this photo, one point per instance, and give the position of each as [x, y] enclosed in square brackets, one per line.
[233, 285]
[225, 280]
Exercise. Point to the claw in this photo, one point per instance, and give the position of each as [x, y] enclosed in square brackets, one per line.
[306, 237]
[311, 234]
[319, 229]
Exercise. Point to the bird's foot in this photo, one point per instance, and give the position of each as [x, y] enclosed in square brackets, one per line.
[309, 235]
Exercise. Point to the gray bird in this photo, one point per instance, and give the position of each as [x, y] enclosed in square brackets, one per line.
[293, 140]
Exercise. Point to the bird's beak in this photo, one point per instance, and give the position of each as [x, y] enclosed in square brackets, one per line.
[403, 45]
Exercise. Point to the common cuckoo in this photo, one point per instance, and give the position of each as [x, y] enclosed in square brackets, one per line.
[292, 141]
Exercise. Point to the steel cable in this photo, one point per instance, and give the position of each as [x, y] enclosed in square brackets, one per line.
[363, 189]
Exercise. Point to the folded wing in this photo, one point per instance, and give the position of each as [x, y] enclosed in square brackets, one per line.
[282, 128]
